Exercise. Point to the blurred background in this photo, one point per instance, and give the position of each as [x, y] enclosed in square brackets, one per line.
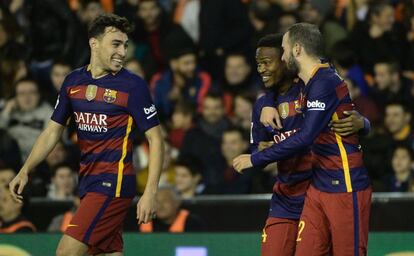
[198, 57]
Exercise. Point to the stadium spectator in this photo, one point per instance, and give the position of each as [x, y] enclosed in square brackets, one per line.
[9, 151]
[218, 27]
[182, 81]
[12, 67]
[316, 12]
[263, 18]
[181, 121]
[379, 34]
[243, 105]
[61, 222]
[170, 216]
[202, 142]
[238, 78]
[233, 144]
[167, 172]
[135, 67]
[11, 218]
[25, 115]
[58, 73]
[63, 182]
[188, 178]
[403, 175]
[45, 46]
[398, 123]
[389, 85]
[152, 27]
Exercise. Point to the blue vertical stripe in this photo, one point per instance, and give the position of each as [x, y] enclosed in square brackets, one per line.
[96, 219]
[356, 223]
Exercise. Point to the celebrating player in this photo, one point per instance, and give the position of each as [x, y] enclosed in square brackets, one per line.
[337, 204]
[294, 174]
[107, 103]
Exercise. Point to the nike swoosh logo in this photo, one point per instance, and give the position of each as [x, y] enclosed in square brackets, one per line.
[74, 91]
[72, 225]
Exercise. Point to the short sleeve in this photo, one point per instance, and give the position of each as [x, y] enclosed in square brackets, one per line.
[63, 108]
[141, 107]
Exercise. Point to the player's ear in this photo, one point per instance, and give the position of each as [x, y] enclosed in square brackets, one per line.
[297, 49]
[93, 43]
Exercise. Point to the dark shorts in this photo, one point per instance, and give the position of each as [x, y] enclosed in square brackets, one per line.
[334, 223]
[98, 222]
[279, 237]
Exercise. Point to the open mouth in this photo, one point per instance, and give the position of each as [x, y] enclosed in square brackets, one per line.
[117, 61]
[266, 78]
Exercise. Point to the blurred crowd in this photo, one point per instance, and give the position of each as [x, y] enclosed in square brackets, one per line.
[198, 57]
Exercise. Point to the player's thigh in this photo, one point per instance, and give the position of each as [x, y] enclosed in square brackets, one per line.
[279, 237]
[348, 215]
[313, 238]
[69, 246]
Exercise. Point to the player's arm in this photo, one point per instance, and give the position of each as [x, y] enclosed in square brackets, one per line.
[144, 113]
[353, 123]
[41, 149]
[259, 138]
[315, 120]
[269, 116]
[156, 147]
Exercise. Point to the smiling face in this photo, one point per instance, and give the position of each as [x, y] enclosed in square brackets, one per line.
[110, 49]
[269, 65]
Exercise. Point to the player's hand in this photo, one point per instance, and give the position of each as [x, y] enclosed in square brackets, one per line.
[242, 162]
[145, 208]
[17, 185]
[348, 125]
[265, 144]
[270, 117]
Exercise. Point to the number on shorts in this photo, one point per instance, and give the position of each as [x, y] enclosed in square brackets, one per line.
[301, 227]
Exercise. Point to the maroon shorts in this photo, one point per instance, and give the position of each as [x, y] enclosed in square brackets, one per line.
[334, 223]
[98, 222]
[279, 237]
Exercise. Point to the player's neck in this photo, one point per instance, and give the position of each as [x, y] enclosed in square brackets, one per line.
[96, 70]
[307, 68]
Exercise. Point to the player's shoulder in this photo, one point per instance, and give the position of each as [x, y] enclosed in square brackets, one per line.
[133, 81]
[329, 78]
[260, 102]
[74, 76]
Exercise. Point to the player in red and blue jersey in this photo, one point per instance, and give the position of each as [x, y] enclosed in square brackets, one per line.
[294, 174]
[337, 205]
[108, 104]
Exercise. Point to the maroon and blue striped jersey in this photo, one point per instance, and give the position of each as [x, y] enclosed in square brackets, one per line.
[106, 111]
[336, 161]
[294, 173]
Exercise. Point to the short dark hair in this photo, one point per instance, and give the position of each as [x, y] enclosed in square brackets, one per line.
[406, 147]
[342, 54]
[61, 165]
[271, 40]
[376, 7]
[105, 20]
[214, 94]
[186, 107]
[308, 36]
[392, 64]
[243, 134]
[192, 164]
[27, 79]
[400, 103]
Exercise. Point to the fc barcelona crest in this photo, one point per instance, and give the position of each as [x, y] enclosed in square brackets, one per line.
[109, 96]
[90, 93]
[284, 110]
